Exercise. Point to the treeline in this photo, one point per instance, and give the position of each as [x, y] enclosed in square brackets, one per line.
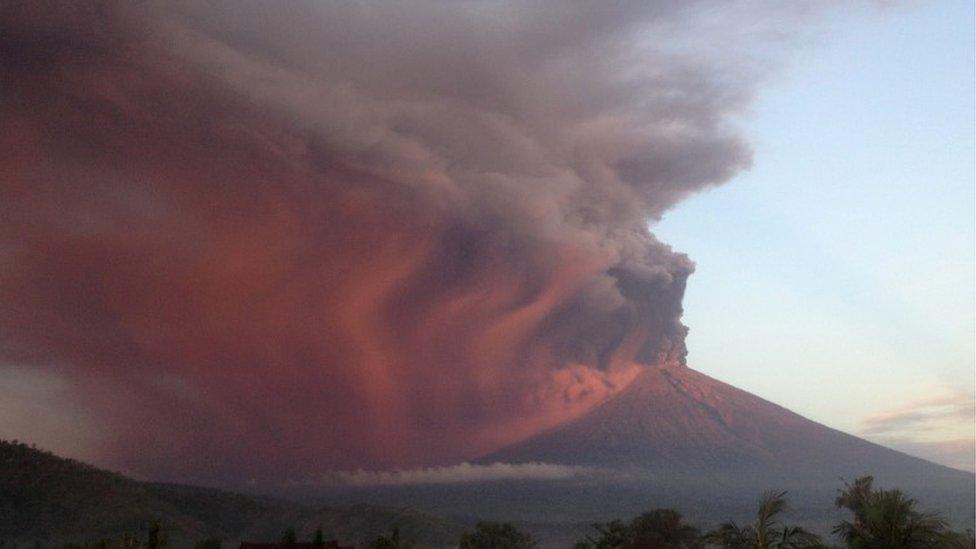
[878, 519]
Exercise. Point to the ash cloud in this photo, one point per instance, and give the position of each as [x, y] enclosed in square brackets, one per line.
[258, 239]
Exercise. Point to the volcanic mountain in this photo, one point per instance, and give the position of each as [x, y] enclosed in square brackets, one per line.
[677, 438]
[677, 427]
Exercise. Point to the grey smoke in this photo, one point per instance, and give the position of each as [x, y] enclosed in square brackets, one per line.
[381, 234]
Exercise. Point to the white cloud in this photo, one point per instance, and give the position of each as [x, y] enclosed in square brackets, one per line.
[460, 473]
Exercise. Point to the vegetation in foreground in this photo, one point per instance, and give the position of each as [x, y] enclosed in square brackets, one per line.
[880, 519]
[32, 480]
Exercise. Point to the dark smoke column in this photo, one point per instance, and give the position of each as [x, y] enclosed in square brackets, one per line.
[263, 242]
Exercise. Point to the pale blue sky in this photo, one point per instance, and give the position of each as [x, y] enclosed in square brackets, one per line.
[837, 276]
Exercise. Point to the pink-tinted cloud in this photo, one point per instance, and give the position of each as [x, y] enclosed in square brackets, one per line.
[922, 415]
[256, 239]
[941, 429]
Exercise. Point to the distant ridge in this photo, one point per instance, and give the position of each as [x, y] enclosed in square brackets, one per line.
[53, 500]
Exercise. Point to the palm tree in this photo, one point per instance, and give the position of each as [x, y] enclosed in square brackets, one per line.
[661, 529]
[887, 519]
[610, 535]
[765, 532]
[657, 529]
[961, 540]
[795, 537]
[731, 536]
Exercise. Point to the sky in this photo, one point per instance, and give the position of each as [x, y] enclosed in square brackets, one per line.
[836, 277]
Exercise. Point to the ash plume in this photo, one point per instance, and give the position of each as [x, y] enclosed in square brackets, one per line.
[257, 238]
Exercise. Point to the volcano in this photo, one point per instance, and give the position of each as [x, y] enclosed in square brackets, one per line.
[677, 438]
[682, 431]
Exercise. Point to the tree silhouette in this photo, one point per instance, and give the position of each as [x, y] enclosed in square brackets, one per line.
[289, 539]
[888, 519]
[156, 538]
[961, 540]
[766, 532]
[661, 529]
[392, 541]
[318, 542]
[497, 535]
[610, 535]
[657, 529]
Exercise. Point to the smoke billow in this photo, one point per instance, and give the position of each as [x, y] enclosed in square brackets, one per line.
[256, 238]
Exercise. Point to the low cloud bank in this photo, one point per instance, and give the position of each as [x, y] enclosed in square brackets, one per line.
[463, 473]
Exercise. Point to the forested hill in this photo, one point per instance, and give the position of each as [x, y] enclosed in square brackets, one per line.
[50, 499]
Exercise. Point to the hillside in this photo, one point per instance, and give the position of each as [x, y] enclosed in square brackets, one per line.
[48, 498]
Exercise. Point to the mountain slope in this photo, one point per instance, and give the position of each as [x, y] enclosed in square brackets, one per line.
[678, 422]
[48, 498]
[678, 438]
